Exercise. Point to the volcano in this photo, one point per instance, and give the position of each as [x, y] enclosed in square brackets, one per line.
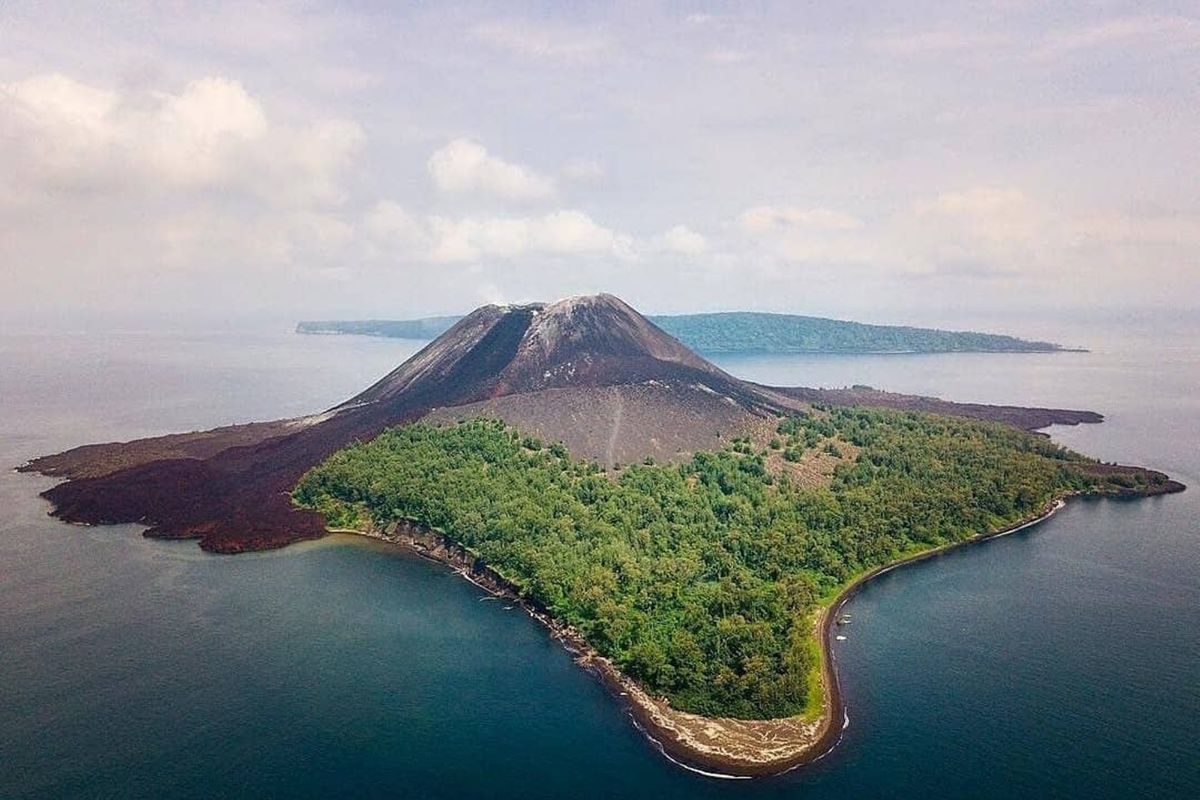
[590, 372]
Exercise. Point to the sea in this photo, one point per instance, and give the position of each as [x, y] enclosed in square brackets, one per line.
[1059, 662]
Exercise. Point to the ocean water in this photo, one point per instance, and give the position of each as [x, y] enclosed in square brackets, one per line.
[1063, 661]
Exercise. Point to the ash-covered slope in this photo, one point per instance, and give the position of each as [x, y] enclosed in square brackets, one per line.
[464, 363]
[589, 371]
[589, 341]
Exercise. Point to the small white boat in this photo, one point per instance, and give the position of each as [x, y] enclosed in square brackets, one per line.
[840, 638]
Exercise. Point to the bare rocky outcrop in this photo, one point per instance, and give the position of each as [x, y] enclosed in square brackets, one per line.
[1029, 419]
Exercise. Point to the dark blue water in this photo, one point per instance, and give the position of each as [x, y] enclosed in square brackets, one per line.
[1060, 662]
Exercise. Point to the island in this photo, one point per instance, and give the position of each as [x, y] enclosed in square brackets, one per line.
[747, 333]
[689, 536]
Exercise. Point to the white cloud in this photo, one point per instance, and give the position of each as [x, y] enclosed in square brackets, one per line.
[192, 137]
[995, 236]
[388, 223]
[993, 214]
[683, 240]
[980, 231]
[1158, 30]
[760, 219]
[543, 41]
[178, 195]
[811, 236]
[122, 184]
[204, 237]
[63, 135]
[977, 231]
[566, 232]
[998, 231]
[391, 232]
[463, 166]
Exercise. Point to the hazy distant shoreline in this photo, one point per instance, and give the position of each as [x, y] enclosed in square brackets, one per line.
[747, 333]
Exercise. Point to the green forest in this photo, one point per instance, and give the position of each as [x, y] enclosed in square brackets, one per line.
[700, 579]
[755, 332]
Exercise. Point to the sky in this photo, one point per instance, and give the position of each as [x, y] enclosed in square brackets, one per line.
[168, 163]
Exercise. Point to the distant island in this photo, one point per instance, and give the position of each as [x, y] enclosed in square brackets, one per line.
[689, 536]
[748, 332]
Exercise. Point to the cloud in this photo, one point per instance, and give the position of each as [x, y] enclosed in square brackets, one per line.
[1003, 232]
[1160, 30]
[391, 232]
[760, 219]
[566, 232]
[463, 166]
[185, 196]
[164, 169]
[1160, 248]
[994, 236]
[683, 240]
[817, 237]
[974, 232]
[192, 138]
[206, 238]
[543, 41]
[977, 232]
[65, 136]
[387, 223]
[993, 214]
[725, 56]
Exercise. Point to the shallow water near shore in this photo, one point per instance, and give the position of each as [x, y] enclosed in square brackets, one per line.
[1061, 661]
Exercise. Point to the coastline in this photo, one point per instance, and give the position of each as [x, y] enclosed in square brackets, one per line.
[714, 747]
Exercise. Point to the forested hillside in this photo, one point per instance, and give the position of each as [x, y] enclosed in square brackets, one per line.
[701, 579]
[752, 332]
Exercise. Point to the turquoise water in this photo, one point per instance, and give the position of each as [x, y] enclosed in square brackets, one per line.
[1059, 662]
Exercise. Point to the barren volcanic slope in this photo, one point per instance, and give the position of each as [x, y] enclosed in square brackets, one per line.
[588, 371]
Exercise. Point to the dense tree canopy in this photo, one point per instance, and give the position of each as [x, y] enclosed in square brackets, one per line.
[701, 579]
